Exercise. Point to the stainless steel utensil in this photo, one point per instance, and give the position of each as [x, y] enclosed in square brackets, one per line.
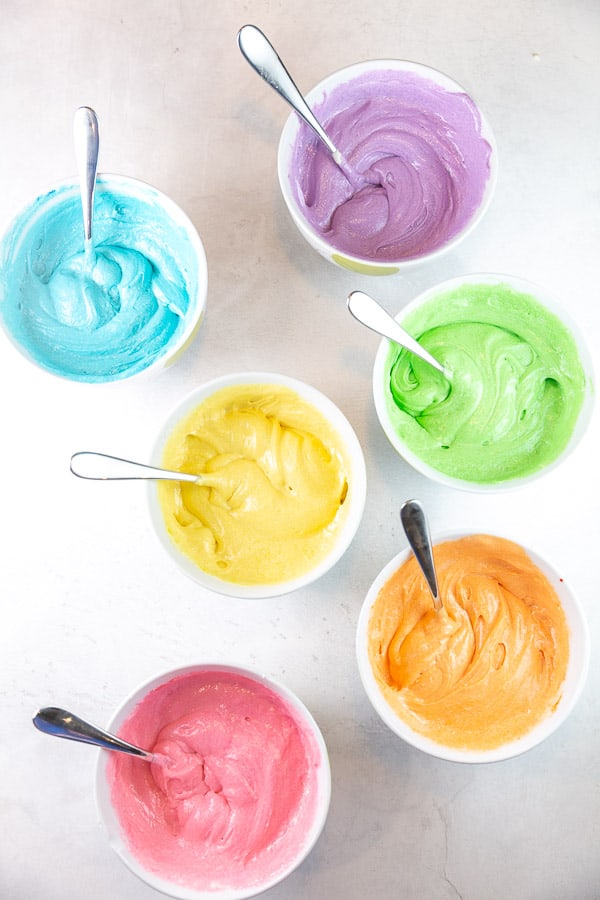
[416, 529]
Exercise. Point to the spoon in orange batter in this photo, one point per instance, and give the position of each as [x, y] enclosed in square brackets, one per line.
[416, 529]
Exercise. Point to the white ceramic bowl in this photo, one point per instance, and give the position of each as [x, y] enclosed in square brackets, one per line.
[579, 654]
[317, 100]
[317, 755]
[353, 504]
[386, 413]
[49, 231]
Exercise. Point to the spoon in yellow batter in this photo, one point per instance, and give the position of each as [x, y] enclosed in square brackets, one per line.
[102, 467]
[416, 529]
[368, 312]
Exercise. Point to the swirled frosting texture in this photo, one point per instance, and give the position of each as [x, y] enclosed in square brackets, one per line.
[419, 147]
[488, 667]
[107, 314]
[236, 792]
[274, 484]
[514, 390]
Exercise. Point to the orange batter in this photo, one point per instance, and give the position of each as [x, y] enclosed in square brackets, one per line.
[489, 666]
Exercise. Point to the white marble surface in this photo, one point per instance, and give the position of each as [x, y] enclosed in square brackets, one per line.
[91, 606]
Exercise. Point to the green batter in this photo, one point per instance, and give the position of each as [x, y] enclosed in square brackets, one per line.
[514, 390]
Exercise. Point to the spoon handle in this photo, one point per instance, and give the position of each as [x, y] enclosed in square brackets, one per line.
[85, 134]
[63, 724]
[416, 529]
[263, 58]
[367, 311]
[102, 467]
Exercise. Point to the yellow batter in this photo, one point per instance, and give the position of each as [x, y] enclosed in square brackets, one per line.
[274, 478]
[490, 665]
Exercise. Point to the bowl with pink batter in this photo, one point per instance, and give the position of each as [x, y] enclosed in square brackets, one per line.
[423, 165]
[239, 792]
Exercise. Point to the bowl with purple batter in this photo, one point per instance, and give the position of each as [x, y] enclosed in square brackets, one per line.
[423, 156]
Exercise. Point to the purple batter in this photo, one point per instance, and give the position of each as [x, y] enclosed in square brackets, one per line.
[419, 142]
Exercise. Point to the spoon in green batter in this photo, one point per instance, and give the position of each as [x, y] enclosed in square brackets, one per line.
[86, 139]
[370, 313]
[102, 467]
[414, 522]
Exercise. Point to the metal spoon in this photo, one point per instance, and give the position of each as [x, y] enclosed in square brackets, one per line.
[263, 58]
[102, 467]
[370, 313]
[85, 135]
[416, 529]
[63, 724]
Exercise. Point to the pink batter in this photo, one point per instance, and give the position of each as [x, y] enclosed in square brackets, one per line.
[237, 795]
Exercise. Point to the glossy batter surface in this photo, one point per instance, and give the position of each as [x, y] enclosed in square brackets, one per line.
[106, 314]
[514, 389]
[489, 666]
[274, 485]
[420, 148]
[236, 794]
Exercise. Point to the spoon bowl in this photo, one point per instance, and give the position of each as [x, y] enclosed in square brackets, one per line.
[63, 724]
[103, 467]
[262, 56]
[416, 530]
[86, 139]
[367, 311]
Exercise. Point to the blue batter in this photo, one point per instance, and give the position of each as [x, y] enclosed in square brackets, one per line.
[109, 311]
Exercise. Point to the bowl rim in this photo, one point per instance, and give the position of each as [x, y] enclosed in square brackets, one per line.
[67, 186]
[111, 822]
[575, 678]
[546, 299]
[287, 143]
[357, 484]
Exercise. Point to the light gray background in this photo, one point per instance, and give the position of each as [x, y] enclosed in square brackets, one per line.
[91, 606]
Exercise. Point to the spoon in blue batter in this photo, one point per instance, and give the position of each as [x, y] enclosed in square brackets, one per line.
[262, 56]
[86, 139]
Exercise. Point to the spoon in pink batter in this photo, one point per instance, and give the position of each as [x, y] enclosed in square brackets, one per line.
[60, 723]
[262, 56]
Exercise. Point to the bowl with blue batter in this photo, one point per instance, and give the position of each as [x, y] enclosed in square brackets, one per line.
[516, 395]
[424, 161]
[131, 305]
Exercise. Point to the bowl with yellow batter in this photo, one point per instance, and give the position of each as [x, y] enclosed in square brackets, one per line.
[495, 671]
[517, 393]
[282, 485]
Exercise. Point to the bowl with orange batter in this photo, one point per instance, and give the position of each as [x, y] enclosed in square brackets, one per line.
[495, 671]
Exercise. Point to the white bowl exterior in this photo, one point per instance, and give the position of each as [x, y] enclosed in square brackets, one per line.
[543, 297]
[357, 485]
[579, 656]
[287, 143]
[111, 822]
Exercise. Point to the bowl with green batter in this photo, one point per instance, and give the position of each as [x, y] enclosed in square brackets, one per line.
[518, 388]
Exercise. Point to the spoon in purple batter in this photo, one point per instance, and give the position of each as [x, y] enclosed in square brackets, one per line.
[63, 724]
[368, 312]
[262, 56]
[416, 529]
